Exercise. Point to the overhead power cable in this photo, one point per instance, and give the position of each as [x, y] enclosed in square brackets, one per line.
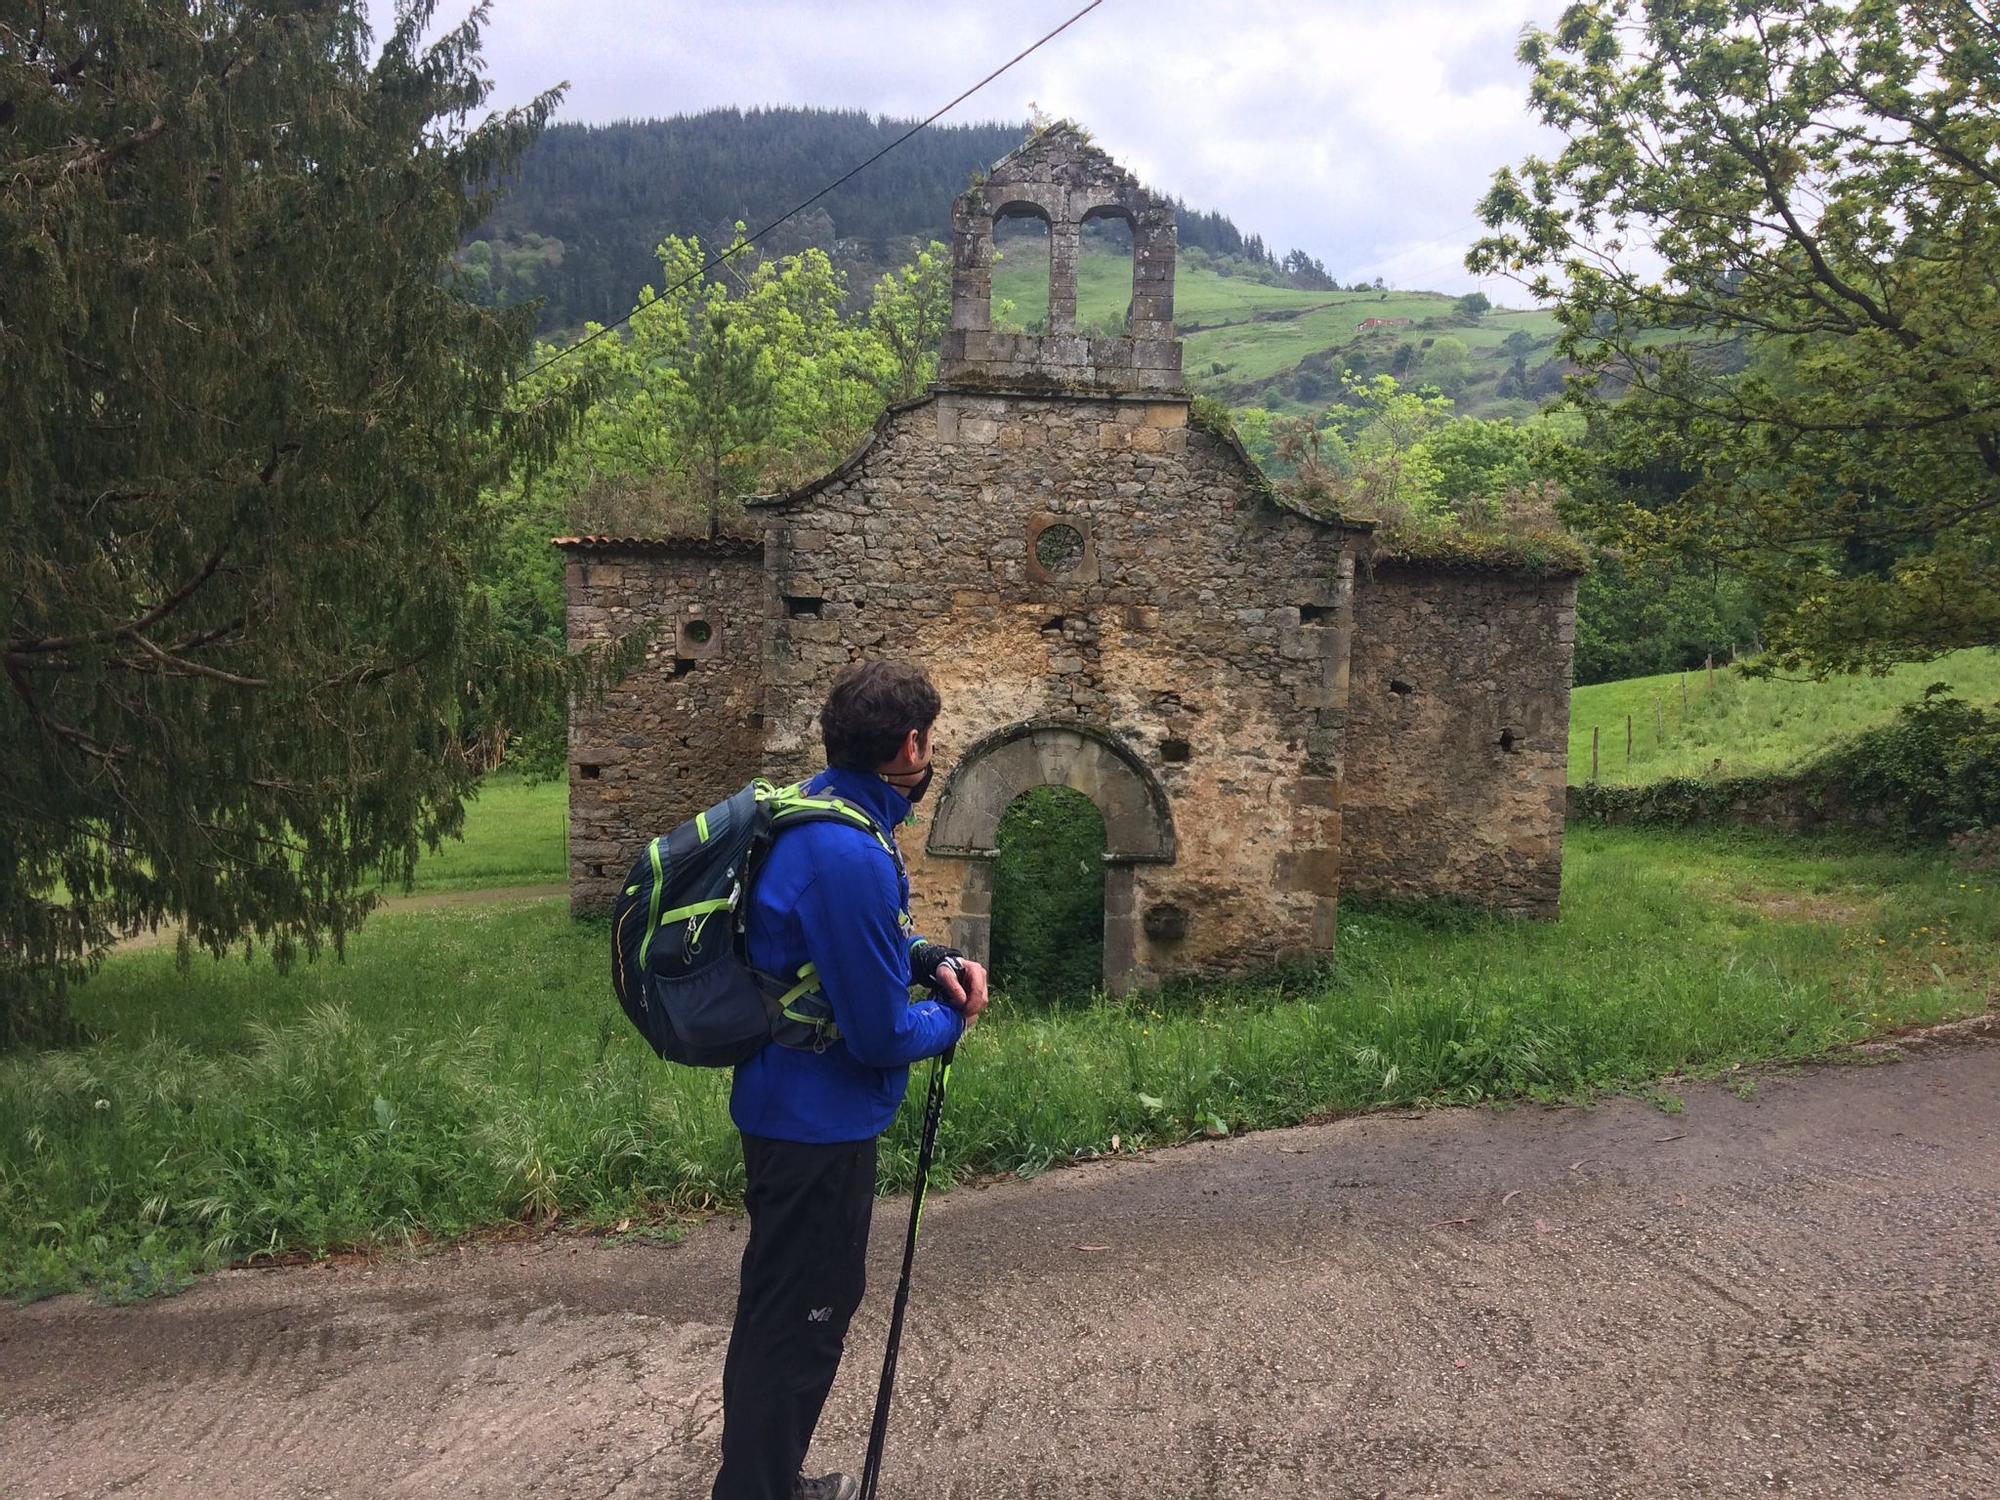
[851, 173]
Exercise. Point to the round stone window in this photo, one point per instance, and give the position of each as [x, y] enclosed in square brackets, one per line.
[1059, 549]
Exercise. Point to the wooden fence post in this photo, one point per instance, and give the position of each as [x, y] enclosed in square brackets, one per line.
[1659, 721]
[1710, 664]
[1593, 752]
[1628, 739]
[1684, 695]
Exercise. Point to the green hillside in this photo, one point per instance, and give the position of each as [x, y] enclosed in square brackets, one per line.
[1749, 724]
[1257, 345]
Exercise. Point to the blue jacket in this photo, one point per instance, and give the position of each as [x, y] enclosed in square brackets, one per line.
[830, 895]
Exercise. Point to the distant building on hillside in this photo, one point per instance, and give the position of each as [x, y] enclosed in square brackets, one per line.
[1266, 707]
[1367, 323]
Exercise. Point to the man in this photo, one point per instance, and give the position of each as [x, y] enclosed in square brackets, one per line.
[832, 895]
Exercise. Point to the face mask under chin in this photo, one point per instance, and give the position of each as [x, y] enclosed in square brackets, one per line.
[916, 789]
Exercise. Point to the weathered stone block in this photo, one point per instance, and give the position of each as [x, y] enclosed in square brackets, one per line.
[1316, 870]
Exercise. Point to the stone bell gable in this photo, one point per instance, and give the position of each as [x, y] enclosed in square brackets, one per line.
[1057, 176]
[1110, 598]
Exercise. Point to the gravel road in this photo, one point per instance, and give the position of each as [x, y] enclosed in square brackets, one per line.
[1792, 1293]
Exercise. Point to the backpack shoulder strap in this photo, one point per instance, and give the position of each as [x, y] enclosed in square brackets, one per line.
[791, 806]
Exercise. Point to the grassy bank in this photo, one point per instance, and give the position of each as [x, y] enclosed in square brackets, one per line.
[1748, 724]
[1240, 335]
[467, 1068]
[515, 834]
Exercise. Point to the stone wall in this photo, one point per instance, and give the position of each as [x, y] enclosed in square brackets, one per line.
[684, 730]
[1789, 803]
[1097, 571]
[1458, 736]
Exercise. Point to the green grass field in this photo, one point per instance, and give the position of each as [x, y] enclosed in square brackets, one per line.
[1238, 333]
[1748, 724]
[515, 834]
[467, 1068]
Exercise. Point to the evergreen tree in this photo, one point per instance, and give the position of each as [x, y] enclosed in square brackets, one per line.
[247, 418]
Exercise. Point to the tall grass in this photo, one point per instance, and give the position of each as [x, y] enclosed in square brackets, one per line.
[467, 1068]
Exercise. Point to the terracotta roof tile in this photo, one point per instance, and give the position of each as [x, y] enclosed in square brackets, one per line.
[728, 546]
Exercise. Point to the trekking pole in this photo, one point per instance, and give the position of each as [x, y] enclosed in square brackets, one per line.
[878, 1433]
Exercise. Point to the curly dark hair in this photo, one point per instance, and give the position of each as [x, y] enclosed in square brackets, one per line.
[872, 706]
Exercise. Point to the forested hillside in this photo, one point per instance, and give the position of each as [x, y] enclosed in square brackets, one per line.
[581, 225]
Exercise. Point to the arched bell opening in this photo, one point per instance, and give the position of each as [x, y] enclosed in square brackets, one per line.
[1109, 249]
[1023, 242]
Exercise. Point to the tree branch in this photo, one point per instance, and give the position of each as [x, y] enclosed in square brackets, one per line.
[131, 628]
[174, 666]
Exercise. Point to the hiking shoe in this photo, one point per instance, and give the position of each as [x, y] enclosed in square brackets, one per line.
[826, 1487]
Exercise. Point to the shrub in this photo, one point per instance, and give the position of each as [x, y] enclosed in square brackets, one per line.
[1933, 774]
[1937, 768]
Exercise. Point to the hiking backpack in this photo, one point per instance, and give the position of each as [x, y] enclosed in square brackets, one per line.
[679, 964]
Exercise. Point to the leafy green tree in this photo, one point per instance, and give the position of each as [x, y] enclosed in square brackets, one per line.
[1633, 620]
[1255, 429]
[1473, 306]
[734, 379]
[248, 417]
[1369, 456]
[1819, 183]
[1444, 363]
[1477, 460]
[911, 311]
[706, 378]
[829, 372]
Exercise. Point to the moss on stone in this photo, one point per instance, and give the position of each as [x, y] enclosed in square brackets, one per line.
[1456, 543]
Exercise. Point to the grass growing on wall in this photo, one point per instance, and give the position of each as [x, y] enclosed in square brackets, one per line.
[468, 1068]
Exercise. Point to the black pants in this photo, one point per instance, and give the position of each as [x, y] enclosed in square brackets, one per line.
[803, 1273]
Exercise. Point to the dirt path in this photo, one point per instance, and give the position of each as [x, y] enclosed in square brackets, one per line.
[1790, 1294]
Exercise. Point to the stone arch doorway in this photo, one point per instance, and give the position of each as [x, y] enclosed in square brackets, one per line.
[1138, 825]
[1048, 897]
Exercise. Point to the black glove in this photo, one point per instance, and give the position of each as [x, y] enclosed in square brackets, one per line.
[926, 959]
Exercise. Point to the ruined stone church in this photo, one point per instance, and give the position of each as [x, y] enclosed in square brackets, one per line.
[1268, 707]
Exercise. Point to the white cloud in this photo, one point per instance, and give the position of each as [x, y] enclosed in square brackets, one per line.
[1362, 133]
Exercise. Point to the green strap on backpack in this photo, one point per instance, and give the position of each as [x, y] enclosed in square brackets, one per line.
[678, 960]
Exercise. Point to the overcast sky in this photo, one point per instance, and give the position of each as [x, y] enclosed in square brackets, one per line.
[1363, 133]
